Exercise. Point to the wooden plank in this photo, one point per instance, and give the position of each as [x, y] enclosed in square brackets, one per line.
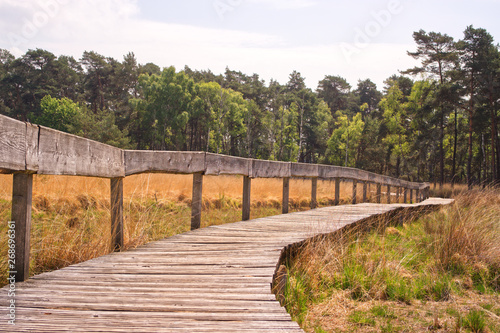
[388, 194]
[116, 214]
[21, 217]
[32, 135]
[337, 191]
[270, 169]
[247, 188]
[226, 165]
[65, 154]
[379, 192]
[405, 195]
[286, 195]
[314, 193]
[354, 191]
[163, 161]
[365, 191]
[12, 145]
[304, 170]
[196, 203]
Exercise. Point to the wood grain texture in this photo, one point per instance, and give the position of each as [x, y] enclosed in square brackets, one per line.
[227, 165]
[22, 193]
[270, 169]
[197, 201]
[65, 154]
[116, 191]
[137, 162]
[247, 190]
[12, 145]
[216, 279]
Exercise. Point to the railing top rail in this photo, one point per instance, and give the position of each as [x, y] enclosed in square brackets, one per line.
[37, 149]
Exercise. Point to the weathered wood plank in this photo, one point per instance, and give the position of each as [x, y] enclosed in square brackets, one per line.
[32, 135]
[247, 189]
[270, 169]
[286, 196]
[314, 193]
[304, 170]
[65, 154]
[196, 203]
[354, 191]
[116, 214]
[337, 191]
[22, 192]
[163, 161]
[226, 165]
[12, 145]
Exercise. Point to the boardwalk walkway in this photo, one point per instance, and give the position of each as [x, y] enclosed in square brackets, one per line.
[215, 279]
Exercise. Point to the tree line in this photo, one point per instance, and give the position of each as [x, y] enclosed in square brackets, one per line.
[436, 122]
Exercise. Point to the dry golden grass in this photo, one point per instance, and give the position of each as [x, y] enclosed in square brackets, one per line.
[71, 215]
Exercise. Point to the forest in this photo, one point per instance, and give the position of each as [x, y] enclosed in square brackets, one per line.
[437, 122]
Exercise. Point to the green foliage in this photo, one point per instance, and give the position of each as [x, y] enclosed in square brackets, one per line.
[442, 127]
[344, 143]
[59, 114]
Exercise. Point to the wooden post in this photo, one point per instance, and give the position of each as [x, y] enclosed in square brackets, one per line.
[379, 193]
[117, 214]
[388, 194]
[247, 187]
[286, 195]
[365, 192]
[314, 193]
[337, 191]
[405, 195]
[418, 198]
[398, 192]
[22, 192]
[411, 196]
[354, 191]
[196, 204]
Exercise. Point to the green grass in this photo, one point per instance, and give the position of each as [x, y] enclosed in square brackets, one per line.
[444, 256]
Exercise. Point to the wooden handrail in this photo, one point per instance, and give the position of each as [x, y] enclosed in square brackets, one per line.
[27, 149]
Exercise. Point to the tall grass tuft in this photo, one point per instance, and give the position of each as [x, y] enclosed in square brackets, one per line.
[439, 256]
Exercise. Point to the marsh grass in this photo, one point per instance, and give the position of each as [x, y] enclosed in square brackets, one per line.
[447, 259]
[71, 215]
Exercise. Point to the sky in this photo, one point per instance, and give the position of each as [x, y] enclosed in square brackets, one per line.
[357, 39]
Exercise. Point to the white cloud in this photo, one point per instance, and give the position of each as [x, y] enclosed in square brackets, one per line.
[286, 4]
[113, 28]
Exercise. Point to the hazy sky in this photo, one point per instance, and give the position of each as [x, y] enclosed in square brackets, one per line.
[355, 39]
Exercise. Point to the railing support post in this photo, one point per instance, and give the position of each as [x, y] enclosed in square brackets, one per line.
[247, 187]
[411, 196]
[22, 192]
[286, 195]
[379, 193]
[337, 191]
[388, 194]
[398, 193]
[117, 214]
[196, 203]
[405, 195]
[365, 192]
[314, 193]
[418, 198]
[354, 191]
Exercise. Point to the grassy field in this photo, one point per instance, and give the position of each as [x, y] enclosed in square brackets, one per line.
[71, 215]
[439, 273]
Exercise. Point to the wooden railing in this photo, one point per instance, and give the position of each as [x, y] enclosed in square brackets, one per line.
[27, 149]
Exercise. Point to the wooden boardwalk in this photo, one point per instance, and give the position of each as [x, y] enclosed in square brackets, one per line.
[215, 279]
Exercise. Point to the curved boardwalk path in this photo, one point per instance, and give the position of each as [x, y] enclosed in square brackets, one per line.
[215, 279]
